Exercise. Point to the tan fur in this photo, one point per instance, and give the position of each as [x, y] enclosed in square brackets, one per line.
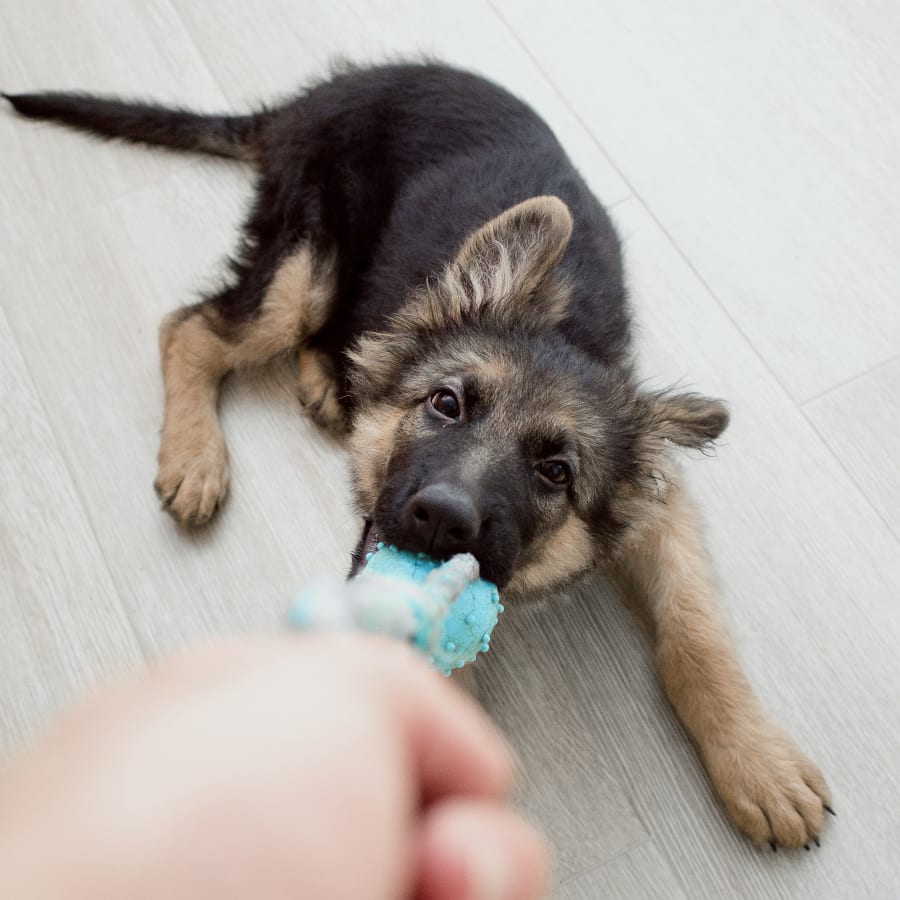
[498, 369]
[193, 461]
[370, 444]
[499, 375]
[509, 258]
[561, 556]
[317, 391]
[542, 224]
[771, 790]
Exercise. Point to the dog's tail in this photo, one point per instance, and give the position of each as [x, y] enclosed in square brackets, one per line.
[237, 137]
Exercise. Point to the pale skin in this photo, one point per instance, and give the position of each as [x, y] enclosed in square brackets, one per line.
[325, 767]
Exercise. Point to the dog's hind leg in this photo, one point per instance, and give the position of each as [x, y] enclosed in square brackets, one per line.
[771, 790]
[318, 391]
[271, 310]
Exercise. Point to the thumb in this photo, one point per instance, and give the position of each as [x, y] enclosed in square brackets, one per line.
[477, 850]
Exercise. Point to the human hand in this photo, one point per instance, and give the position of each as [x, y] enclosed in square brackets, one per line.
[313, 767]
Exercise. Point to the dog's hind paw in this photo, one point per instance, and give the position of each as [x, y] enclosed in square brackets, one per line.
[773, 793]
[317, 391]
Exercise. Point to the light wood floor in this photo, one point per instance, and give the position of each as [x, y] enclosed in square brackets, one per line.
[751, 154]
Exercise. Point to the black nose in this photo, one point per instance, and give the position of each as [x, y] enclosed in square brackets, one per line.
[441, 520]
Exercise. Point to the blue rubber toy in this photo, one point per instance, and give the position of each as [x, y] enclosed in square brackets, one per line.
[443, 609]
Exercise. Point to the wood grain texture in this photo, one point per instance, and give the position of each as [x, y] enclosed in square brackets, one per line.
[268, 49]
[130, 48]
[861, 423]
[763, 136]
[638, 874]
[88, 327]
[61, 623]
[97, 244]
[809, 577]
[568, 783]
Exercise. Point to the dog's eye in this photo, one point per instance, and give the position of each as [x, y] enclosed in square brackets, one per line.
[556, 471]
[446, 403]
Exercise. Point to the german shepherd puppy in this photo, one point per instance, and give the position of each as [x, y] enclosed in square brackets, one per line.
[455, 298]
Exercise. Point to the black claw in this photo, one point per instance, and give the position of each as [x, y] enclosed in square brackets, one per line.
[816, 842]
[828, 809]
[774, 846]
[806, 847]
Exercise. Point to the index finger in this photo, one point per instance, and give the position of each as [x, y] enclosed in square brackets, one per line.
[456, 748]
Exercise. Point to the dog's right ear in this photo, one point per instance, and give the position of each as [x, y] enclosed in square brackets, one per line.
[504, 269]
[503, 273]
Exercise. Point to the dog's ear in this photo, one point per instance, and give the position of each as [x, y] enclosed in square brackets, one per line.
[689, 420]
[504, 267]
[504, 273]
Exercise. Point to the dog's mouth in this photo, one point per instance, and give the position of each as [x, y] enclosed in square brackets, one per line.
[368, 543]
[371, 536]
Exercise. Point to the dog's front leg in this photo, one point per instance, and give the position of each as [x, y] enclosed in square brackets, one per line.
[771, 790]
[272, 307]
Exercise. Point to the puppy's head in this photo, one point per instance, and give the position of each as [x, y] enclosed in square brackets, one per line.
[480, 428]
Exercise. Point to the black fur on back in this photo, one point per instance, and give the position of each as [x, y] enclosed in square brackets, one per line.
[383, 178]
[390, 167]
[397, 165]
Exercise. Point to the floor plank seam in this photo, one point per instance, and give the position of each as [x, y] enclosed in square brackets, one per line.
[759, 356]
[226, 106]
[637, 196]
[850, 476]
[851, 380]
[565, 102]
[78, 495]
[624, 851]
[179, 162]
[619, 202]
[724, 110]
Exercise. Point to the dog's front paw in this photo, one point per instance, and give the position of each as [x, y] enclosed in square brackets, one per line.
[192, 480]
[773, 793]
